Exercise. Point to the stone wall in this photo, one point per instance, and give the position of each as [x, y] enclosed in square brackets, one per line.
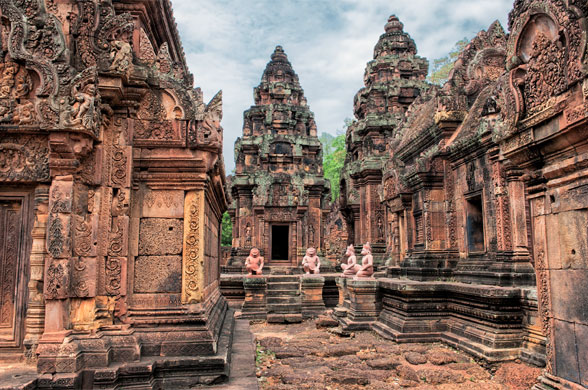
[112, 159]
[481, 189]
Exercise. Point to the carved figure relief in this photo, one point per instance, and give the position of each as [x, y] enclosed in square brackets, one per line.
[24, 158]
[121, 55]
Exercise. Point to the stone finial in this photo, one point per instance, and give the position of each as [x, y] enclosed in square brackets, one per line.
[279, 54]
[394, 24]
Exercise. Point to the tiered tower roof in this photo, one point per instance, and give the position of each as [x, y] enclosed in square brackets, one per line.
[279, 142]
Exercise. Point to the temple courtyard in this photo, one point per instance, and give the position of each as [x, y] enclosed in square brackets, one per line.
[314, 355]
[438, 242]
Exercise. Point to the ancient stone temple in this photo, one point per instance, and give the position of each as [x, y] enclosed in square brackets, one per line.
[279, 202]
[111, 196]
[481, 194]
[393, 80]
[278, 190]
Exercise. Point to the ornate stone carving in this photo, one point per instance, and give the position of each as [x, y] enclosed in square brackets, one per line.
[119, 237]
[208, 132]
[163, 203]
[158, 274]
[115, 275]
[84, 236]
[24, 158]
[120, 175]
[57, 279]
[121, 202]
[121, 55]
[164, 61]
[83, 278]
[98, 31]
[146, 52]
[193, 251]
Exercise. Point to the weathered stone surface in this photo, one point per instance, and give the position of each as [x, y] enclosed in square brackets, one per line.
[279, 171]
[158, 274]
[326, 322]
[102, 133]
[163, 204]
[437, 377]
[415, 358]
[160, 236]
[440, 357]
[366, 368]
[388, 363]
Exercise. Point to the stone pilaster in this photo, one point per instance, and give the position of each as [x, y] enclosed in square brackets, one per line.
[312, 295]
[255, 302]
[364, 305]
[193, 253]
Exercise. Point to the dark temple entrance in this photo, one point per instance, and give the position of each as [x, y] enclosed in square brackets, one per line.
[280, 241]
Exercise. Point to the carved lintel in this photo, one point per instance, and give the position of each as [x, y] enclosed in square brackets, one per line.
[193, 255]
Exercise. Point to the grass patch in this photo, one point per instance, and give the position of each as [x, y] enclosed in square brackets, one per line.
[263, 355]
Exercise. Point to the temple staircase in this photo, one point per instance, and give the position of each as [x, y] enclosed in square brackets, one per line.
[284, 301]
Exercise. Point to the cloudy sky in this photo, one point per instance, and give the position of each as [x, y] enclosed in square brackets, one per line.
[229, 42]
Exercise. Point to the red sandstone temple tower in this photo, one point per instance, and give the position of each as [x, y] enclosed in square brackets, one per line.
[393, 79]
[279, 191]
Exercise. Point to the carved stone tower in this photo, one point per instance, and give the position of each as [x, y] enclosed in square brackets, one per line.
[393, 80]
[279, 190]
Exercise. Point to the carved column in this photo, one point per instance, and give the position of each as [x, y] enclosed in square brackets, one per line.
[193, 250]
[57, 267]
[518, 217]
[35, 315]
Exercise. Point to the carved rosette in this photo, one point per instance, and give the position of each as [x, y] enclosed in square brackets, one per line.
[193, 254]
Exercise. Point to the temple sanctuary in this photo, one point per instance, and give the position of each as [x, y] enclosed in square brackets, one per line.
[278, 189]
[461, 221]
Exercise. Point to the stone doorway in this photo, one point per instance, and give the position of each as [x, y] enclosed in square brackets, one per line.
[13, 225]
[280, 242]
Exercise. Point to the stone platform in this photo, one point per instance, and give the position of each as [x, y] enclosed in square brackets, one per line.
[121, 372]
[492, 323]
[284, 295]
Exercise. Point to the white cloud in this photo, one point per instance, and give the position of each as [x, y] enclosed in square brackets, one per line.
[228, 43]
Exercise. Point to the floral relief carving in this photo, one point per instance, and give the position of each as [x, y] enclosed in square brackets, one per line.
[193, 251]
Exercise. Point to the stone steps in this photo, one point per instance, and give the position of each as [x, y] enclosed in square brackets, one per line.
[293, 286]
[292, 300]
[284, 301]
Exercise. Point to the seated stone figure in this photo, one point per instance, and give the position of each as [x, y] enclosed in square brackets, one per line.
[351, 267]
[254, 262]
[311, 262]
[367, 262]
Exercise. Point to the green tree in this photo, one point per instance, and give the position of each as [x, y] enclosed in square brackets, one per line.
[442, 66]
[333, 164]
[334, 156]
[226, 230]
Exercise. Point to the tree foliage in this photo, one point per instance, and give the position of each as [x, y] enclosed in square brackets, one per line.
[226, 230]
[334, 157]
[443, 66]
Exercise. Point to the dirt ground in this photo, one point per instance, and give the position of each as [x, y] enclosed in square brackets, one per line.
[302, 356]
